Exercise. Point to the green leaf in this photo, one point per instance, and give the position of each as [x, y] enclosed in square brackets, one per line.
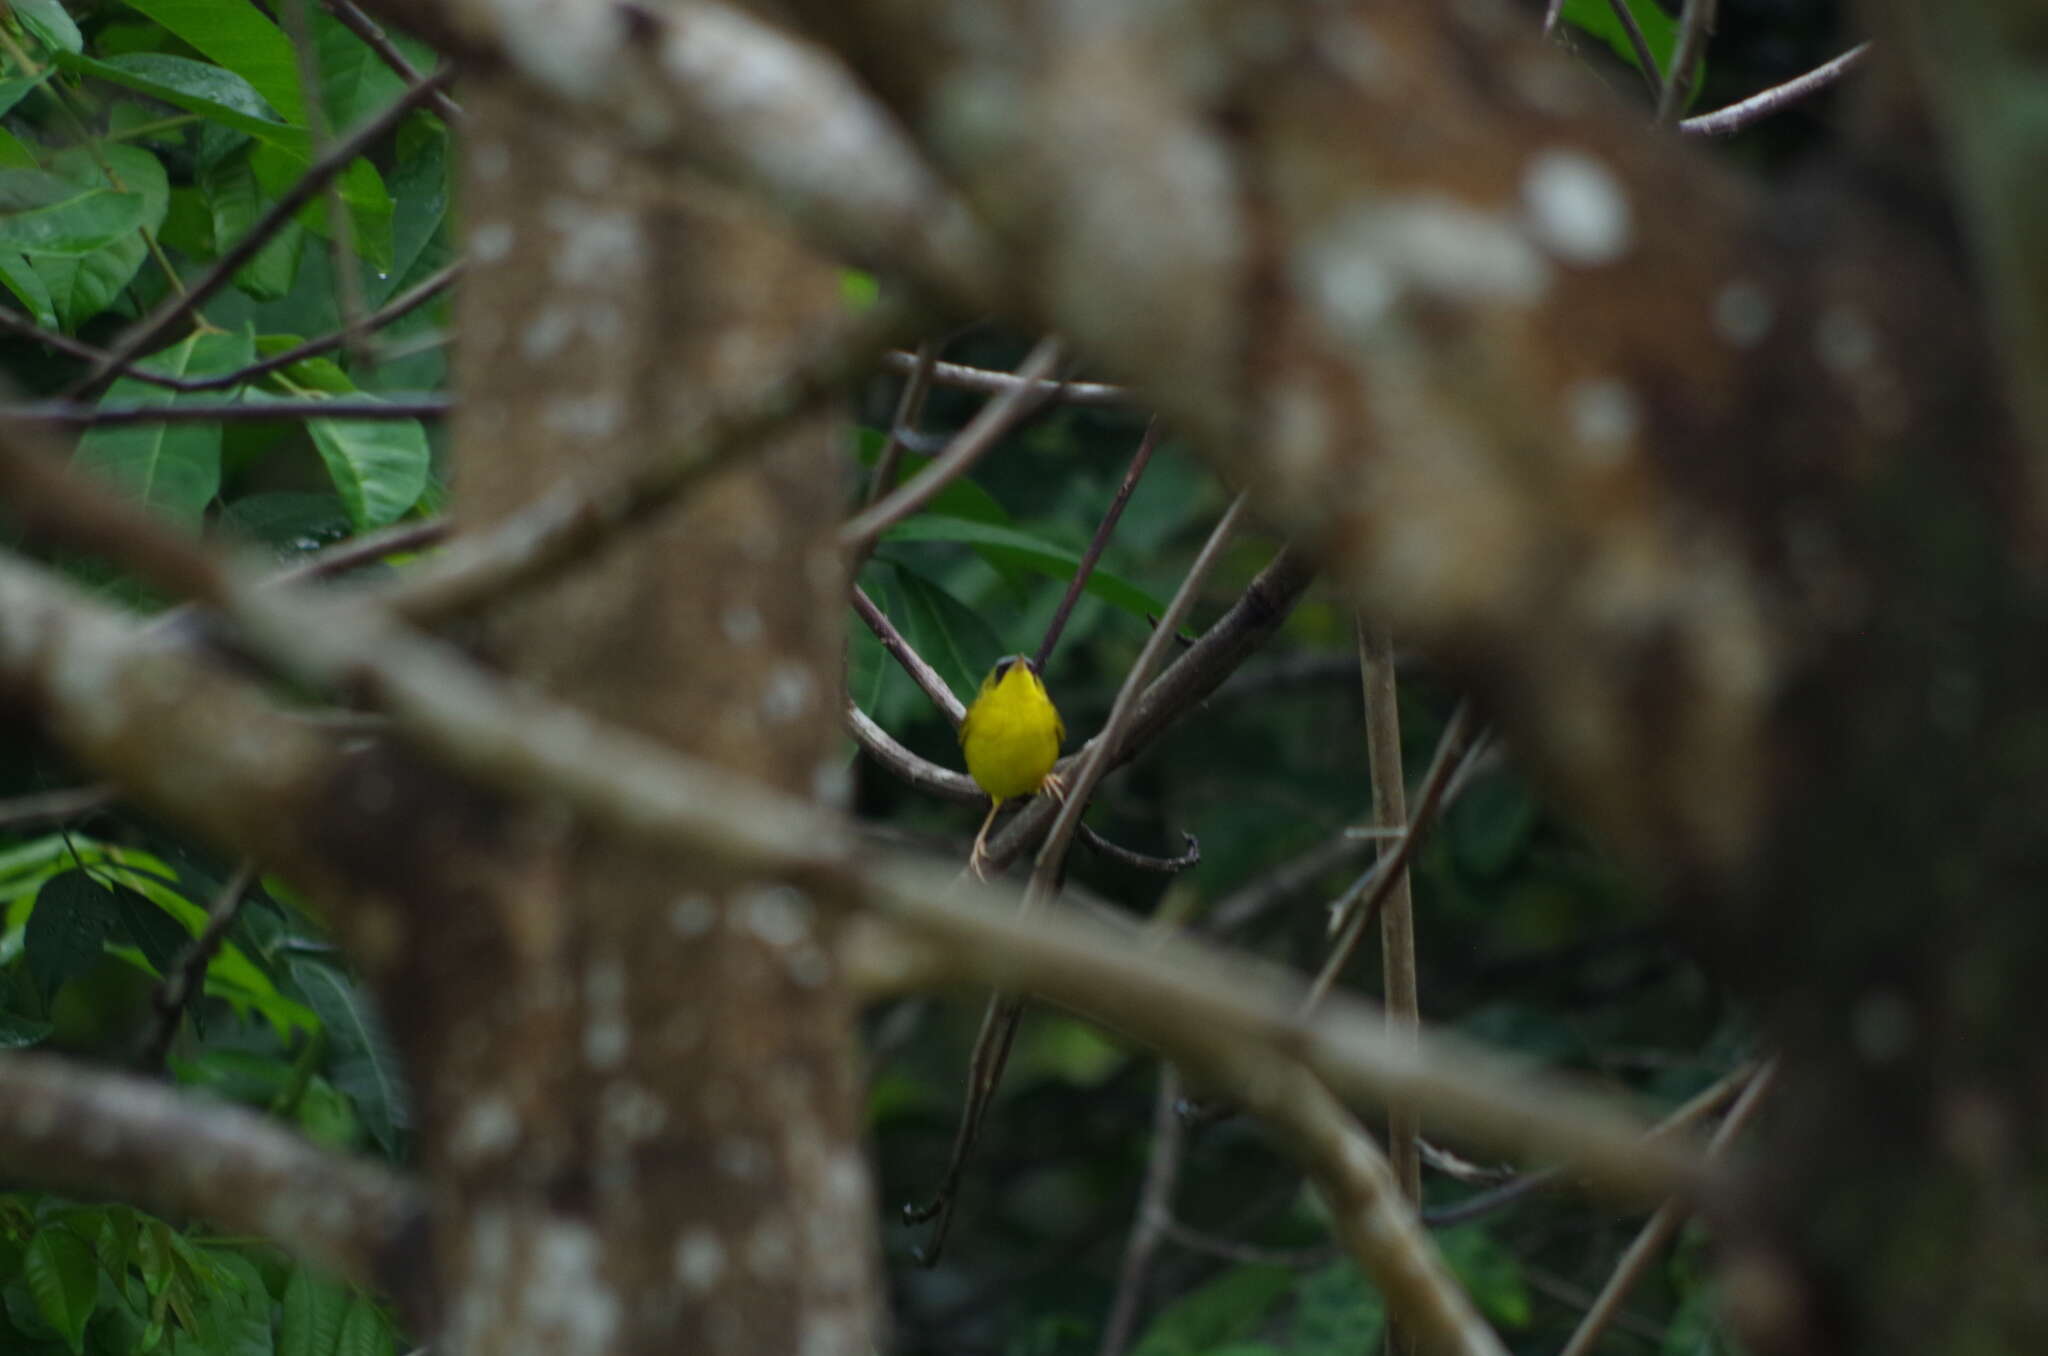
[198, 87]
[364, 1067]
[1660, 32]
[50, 22]
[1226, 1309]
[238, 36]
[1336, 1312]
[954, 638]
[65, 1281]
[47, 214]
[1490, 1273]
[960, 498]
[73, 916]
[314, 1307]
[420, 190]
[160, 938]
[355, 83]
[21, 279]
[365, 1332]
[82, 288]
[172, 468]
[362, 191]
[17, 88]
[1008, 546]
[235, 1319]
[379, 466]
[236, 202]
[857, 289]
[154, 1256]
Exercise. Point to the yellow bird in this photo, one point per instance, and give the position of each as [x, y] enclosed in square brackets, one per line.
[1011, 738]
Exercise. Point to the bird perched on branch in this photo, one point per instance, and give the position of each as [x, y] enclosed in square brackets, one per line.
[1011, 738]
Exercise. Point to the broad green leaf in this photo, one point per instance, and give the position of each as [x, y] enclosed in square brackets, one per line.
[50, 22]
[236, 202]
[857, 289]
[82, 288]
[27, 284]
[172, 468]
[14, 153]
[315, 374]
[314, 1307]
[154, 1257]
[362, 191]
[420, 189]
[73, 917]
[1660, 31]
[236, 1319]
[161, 939]
[1224, 1310]
[48, 214]
[364, 1065]
[1009, 546]
[365, 1332]
[16, 88]
[379, 466]
[954, 638]
[237, 35]
[197, 87]
[64, 1279]
[355, 83]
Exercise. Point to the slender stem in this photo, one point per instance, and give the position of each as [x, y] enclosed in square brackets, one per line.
[46, 807]
[404, 303]
[1139, 460]
[1645, 62]
[965, 378]
[1380, 690]
[1757, 107]
[397, 405]
[1153, 1216]
[1695, 26]
[996, 419]
[1663, 1225]
[150, 332]
[1354, 912]
[909, 409]
[1551, 12]
[374, 38]
[341, 234]
[187, 978]
[924, 675]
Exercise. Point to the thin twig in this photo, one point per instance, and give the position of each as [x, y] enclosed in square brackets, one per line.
[1380, 690]
[396, 405]
[409, 300]
[961, 377]
[54, 807]
[297, 16]
[924, 675]
[1354, 912]
[186, 978]
[1153, 1215]
[1191, 854]
[1551, 11]
[1695, 26]
[374, 38]
[152, 331]
[1250, 1254]
[1663, 1225]
[909, 409]
[1757, 107]
[367, 549]
[1139, 460]
[1646, 64]
[1695, 1109]
[988, 427]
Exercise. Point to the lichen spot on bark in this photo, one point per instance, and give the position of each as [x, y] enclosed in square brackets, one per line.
[1576, 207]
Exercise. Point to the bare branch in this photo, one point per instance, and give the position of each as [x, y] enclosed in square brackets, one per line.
[1139, 460]
[1757, 107]
[990, 382]
[85, 1132]
[374, 38]
[395, 405]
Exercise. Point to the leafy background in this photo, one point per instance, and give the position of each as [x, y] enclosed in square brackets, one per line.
[139, 141]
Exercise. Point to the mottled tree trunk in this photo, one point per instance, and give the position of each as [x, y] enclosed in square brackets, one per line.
[639, 1108]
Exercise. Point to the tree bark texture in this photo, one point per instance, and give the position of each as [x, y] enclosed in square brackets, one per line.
[640, 1117]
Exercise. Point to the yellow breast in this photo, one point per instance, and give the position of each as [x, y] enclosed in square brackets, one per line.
[1012, 733]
